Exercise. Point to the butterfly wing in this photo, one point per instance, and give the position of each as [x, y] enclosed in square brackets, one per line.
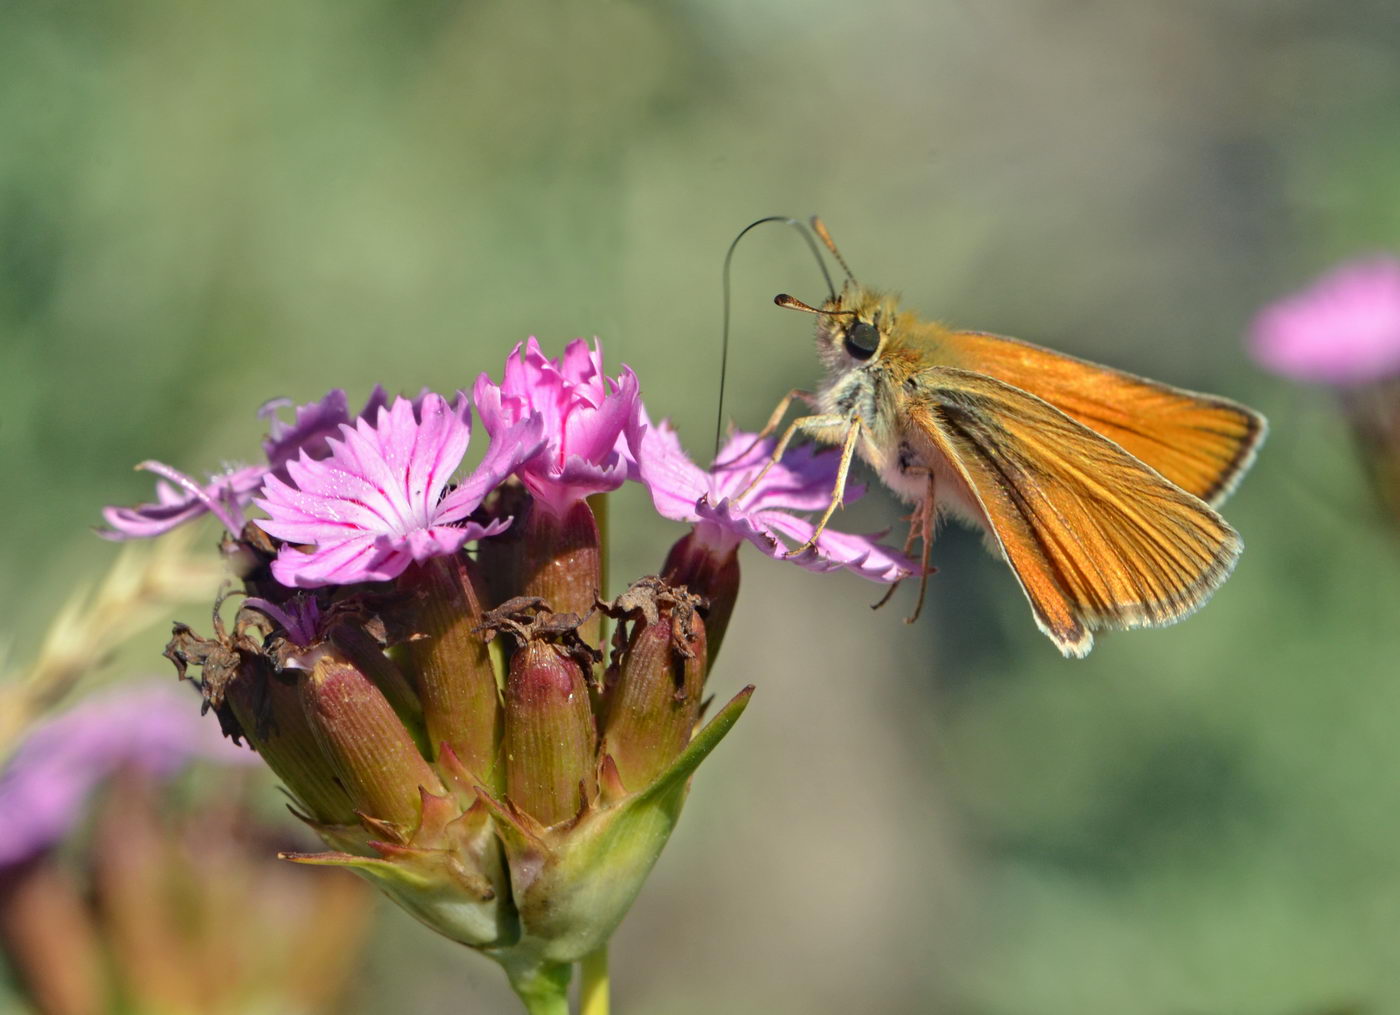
[1096, 539]
[1201, 443]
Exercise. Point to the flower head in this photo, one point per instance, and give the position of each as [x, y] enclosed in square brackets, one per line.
[376, 503]
[1343, 329]
[46, 784]
[181, 498]
[585, 415]
[723, 514]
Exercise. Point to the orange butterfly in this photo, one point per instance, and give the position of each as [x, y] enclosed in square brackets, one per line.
[1098, 487]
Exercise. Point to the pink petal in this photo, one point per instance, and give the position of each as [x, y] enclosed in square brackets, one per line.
[1343, 329]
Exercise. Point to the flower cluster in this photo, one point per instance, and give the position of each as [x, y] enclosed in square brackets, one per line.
[420, 652]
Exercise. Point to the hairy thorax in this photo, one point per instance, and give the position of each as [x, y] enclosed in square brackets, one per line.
[880, 394]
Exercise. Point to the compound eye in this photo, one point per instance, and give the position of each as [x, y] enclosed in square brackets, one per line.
[862, 339]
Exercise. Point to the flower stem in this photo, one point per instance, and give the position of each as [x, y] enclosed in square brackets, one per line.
[543, 987]
[594, 988]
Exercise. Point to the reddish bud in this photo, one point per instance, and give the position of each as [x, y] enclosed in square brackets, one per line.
[653, 698]
[550, 734]
[562, 563]
[269, 710]
[369, 748]
[455, 679]
[713, 576]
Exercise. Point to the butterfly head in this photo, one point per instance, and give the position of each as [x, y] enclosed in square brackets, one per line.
[852, 328]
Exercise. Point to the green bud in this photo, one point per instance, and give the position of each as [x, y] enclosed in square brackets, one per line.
[574, 882]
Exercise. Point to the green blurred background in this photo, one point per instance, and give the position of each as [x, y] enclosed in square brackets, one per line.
[206, 205]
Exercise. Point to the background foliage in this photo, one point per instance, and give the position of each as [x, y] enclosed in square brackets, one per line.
[206, 205]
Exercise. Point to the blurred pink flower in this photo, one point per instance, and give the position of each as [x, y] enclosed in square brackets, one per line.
[802, 481]
[585, 416]
[1344, 329]
[377, 503]
[44, 788]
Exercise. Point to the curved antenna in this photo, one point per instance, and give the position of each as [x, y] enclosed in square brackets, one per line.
[819, 227]
[728, 257]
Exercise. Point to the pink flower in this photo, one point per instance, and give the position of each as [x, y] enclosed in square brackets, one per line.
[47, 782]
[183, 499]
[802, 481]
[1343, 329]
[585, 415]
[376, 503]
[311, 426]
[180, 498]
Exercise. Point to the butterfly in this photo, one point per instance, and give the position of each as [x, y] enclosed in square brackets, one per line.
[1098, 487]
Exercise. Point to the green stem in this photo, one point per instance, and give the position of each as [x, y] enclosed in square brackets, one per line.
[593, 991]
[543, 987]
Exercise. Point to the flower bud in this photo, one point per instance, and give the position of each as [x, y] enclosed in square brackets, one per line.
[562, 564]
[572, 883]
[255, 703]
[367, 655]
[454, 676]
[550, 734]
[268, 707]
[370, 749]
[652, 702]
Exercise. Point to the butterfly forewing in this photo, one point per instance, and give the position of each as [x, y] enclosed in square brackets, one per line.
[1096, 538]
[1201, 443]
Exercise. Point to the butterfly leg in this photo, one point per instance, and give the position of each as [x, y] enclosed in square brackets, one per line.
[927, 512]
[920, 525]
[807, 423]
[843, 469]
[772, 424]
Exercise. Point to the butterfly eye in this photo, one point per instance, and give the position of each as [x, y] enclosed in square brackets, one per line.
[862, 339]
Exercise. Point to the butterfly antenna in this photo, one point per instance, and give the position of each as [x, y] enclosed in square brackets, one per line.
[819, 227]
[793, 303]
[728, 257]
